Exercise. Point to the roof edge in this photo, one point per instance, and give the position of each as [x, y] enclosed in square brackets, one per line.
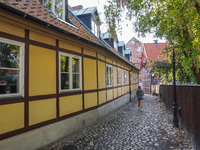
[32, 18]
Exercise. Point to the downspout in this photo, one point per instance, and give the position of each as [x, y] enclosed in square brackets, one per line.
[130, 85]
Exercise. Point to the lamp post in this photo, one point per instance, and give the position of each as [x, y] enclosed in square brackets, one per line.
[175, 120]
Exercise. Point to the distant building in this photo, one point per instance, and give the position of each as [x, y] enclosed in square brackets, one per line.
[141, 53]
[136, 51]
[151, 51]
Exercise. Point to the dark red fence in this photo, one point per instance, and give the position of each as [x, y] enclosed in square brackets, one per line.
[188, 99]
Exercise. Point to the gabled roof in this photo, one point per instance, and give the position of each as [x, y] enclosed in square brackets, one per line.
[84, 11]
[35, 11]
[153, 51]
[133, 39]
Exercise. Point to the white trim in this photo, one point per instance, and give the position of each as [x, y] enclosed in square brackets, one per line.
[119, 69]
[125, 77]
[70, 73]
[111, 77]
[21, 67]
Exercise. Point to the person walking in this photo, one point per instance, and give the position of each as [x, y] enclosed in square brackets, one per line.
[140, 97]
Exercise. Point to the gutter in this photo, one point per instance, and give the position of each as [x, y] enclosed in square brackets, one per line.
[31, 18]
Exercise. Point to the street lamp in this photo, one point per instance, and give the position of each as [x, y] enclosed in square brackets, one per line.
[175, 120]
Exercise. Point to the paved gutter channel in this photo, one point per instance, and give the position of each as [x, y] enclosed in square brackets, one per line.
[129, 129]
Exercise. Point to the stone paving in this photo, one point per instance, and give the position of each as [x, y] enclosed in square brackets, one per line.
[130, 129]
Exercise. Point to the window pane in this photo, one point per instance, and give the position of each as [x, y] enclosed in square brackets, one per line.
[75, 65]
[64, 81]
[47, 2]
[76, 82]
[9, 81]
[107, 80]
[58, 8]
[64, 63]
[9, 55]
[139, 49]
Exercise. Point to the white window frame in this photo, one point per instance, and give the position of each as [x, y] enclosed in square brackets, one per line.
[53, 4]
[21, 68]
[139, 48]
[119, 76]
[110, 78]
[70, 72]
[125, 77]
[95, 27]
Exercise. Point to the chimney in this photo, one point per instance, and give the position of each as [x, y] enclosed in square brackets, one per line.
[77, 7]
[155, 42]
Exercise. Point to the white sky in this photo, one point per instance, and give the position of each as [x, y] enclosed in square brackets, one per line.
[127, 28]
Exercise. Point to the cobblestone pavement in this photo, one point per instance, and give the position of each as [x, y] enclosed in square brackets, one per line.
[129, 129]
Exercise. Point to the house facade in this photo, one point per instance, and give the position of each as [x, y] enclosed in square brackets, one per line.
[141, 54]
[56, 76]
[151, 51]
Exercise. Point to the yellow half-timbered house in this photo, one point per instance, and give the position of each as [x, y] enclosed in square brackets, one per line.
[56, 76]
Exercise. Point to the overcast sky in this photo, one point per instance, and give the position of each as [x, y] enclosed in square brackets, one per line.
[127, 28]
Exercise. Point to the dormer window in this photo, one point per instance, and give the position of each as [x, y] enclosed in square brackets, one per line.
[95, 28]
[115, 45]
[57, 7]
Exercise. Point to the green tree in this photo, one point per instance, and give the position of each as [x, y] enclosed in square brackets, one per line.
[175, 20]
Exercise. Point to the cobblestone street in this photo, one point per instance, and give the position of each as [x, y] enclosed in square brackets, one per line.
[129, 129]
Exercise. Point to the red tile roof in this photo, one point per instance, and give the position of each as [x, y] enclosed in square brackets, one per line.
[153, 51]
[37, 10]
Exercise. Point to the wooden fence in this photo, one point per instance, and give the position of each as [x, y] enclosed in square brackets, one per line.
[188, 99]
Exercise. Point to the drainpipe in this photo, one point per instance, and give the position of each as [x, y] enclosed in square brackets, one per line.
[130, 84]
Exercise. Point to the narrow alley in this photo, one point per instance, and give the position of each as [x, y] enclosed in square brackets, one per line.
[130, 129]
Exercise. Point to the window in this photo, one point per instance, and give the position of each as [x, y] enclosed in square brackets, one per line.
[95, 28]
[133, 42]
[57, 7]
[134, 77]
[70, 72]
[109, 75]
[139, 49]
[131, 77]
[125, 77]
[11, 68]
[119, 76]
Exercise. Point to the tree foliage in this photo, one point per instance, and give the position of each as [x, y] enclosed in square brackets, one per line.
[164, 69]
[175, 20]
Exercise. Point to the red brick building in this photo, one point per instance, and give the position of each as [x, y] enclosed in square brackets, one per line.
[142, 53]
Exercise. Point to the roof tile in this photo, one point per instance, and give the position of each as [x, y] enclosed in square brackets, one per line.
[153, 51]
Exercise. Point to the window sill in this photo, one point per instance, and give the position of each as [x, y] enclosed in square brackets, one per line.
[70, 92]
[11, 98]
[109, 87]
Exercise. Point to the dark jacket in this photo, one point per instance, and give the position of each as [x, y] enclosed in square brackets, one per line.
[139, 92]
